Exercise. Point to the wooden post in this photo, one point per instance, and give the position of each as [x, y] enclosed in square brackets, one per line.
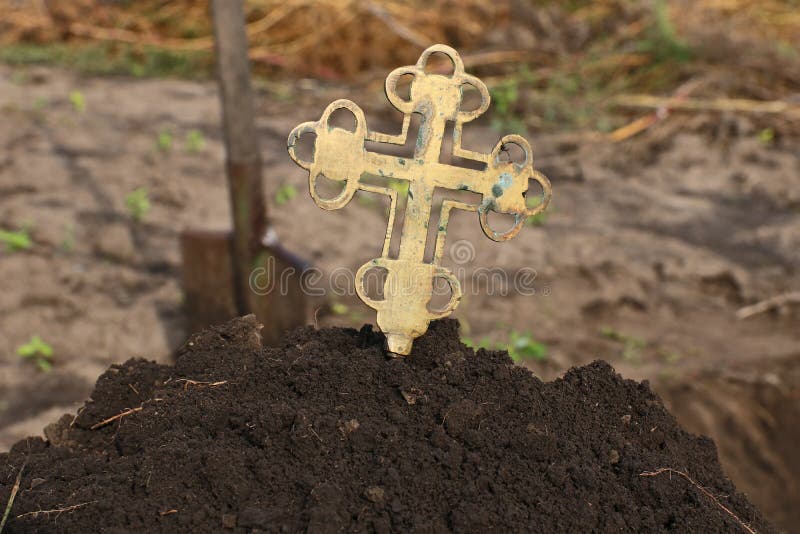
[243, 160]
[278, 312]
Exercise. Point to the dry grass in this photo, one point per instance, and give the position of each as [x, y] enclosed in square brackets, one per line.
[330, 38]
[552, 64]
[701, 489]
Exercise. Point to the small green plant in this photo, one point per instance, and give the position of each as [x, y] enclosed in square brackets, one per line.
[68, 243]
[533, 201]
[164, 141]
[13, 241]
[343, 311]
[484, 343]
[401, 186]
[37, 351]
[138, 203]
[77, 100]
[40, 103]
[766, 136]
[670, 356]
[536, 220]
[366, 200]
[20, 77]
[337, 308]
[663, 41]
[505, 95]
[631, 346]
[611, 333]
[195, 141]
[523, 346]
[285, 193]
[504, 98]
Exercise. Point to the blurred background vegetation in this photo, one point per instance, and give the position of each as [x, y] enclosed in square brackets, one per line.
[551, 65]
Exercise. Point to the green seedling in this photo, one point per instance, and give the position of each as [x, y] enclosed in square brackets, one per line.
[631, 346]
[536, 220]
[14, 241]
[339, 309]
[195, 142]
[670, 356]
[40, 103]
[164, 141]
[662, 40]
[366, 201]
[20, 77]
[39, 352]
[632, 351]
[484, 343]
[505, 97]
[401, 186]
[138, 203]
[78, 101]
[766, 136]
[285, 193]
[611, 333]
[68, 243]
[523, 346]
[342, 310]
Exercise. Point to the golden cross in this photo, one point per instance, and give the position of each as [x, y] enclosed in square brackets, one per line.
[339, 154]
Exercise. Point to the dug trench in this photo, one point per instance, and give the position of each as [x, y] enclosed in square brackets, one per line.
[326, 434]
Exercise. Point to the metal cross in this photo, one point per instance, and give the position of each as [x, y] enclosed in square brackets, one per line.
[403, 314]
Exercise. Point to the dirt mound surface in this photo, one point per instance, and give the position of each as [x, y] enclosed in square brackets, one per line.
[328, 434]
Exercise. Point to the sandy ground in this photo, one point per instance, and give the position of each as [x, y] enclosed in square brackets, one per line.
[648, 251]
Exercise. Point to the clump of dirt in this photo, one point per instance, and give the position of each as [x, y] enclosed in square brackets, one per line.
[328, 434]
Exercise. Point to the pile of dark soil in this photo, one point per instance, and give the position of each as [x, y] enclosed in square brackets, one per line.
[327, 434]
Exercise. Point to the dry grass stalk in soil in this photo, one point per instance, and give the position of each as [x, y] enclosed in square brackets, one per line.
[111, 419]
[702, 490]
[680, 101]
[130, 411]
[661, 113]
[10, 504]
[768, 304]
[57, 511]
[737, 105]
[187, 383]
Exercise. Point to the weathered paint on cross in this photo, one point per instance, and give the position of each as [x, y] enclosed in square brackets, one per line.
[340, 155]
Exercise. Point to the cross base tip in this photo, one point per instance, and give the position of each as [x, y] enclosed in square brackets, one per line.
[399, 344]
